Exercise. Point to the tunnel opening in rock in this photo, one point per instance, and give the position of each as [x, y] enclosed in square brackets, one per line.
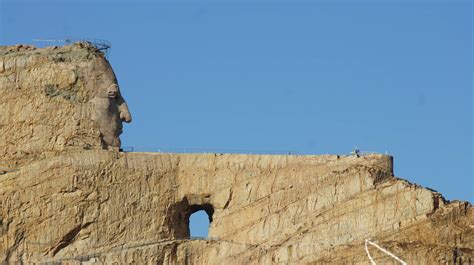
[191, 217]
[199, 219]
[199, 224]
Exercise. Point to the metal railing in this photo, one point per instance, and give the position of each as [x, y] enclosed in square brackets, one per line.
[181, 150]
[201, 150]
[101, 45]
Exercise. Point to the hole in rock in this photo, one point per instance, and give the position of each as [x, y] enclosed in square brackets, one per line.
[199, 224]
[190, 217]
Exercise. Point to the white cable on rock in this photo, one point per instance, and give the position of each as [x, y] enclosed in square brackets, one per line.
[368, 253]
[367, 241]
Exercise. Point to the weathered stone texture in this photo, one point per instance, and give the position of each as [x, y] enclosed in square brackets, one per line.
[101, 207]
[48, 102]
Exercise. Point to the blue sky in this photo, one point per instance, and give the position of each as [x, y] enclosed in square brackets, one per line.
[306, 77]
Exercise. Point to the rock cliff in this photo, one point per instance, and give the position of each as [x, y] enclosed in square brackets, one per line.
[57, 99]
[68, 195]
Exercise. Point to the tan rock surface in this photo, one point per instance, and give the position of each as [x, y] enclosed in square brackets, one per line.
[72, 205]
[56, 99]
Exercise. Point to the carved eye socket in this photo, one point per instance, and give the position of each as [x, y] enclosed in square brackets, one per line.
[113, 91]
[113, 88]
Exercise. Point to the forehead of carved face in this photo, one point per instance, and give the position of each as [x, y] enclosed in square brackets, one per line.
[104, 80]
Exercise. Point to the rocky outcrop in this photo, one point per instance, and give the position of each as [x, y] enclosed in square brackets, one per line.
[57, 99]
[93, 206]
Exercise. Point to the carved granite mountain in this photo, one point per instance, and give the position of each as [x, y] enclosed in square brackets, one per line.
[57, 99]
[68, 195]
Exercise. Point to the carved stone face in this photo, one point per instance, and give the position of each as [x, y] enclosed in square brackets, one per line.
[110, 109]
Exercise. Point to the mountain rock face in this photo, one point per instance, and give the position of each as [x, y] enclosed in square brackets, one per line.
[57, 99]
[67, 195]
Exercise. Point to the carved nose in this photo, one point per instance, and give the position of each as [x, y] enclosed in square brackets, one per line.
[126, 116]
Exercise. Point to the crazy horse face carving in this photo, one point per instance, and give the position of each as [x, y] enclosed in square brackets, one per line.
[110, 109]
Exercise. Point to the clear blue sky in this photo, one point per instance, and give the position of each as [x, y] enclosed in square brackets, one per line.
[308, 77]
